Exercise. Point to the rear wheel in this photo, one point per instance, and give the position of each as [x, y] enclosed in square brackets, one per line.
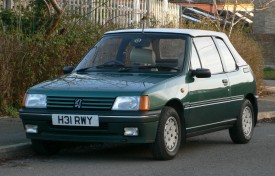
[242, 131]
[168, 137]
[45, 147]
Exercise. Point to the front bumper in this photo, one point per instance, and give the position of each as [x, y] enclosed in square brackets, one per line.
[111, 127]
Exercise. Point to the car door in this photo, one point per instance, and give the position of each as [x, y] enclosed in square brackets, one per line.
[208, 97]
[235, 78]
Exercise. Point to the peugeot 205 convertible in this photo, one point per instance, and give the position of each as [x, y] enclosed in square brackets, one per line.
[157, 86]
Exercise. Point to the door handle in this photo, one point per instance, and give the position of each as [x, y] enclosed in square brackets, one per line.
[225, 82]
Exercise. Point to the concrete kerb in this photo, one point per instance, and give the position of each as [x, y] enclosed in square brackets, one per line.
[266, 115]
[269, 90]
[15, 151]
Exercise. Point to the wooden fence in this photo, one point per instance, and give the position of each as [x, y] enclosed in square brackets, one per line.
[125, 12]
[164, 13]
[122, 12]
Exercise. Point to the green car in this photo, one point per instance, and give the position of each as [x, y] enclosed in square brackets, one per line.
[157, 86]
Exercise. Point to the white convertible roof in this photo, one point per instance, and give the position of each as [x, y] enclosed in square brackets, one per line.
[191, 32]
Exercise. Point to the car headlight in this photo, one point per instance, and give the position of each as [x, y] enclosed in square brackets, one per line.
[35, 101]
[131, 103]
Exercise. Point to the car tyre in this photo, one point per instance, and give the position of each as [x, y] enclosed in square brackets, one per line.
[242, 131]
[168, 138]
[45, 147]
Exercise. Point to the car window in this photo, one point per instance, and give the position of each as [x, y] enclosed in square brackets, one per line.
[171, 51]
[169, 48]
[136, 52]
[195, 61]
[228, 59]
[208, 54]
[107, 50]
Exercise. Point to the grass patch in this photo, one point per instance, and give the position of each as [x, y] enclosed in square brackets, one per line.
[269, 73]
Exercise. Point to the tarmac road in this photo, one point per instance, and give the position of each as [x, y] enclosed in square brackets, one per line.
[212, 154]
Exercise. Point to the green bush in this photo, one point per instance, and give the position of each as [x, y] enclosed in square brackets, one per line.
[28, 60]
[11, 21]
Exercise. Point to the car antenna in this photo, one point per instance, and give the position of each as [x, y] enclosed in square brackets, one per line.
[143, 19]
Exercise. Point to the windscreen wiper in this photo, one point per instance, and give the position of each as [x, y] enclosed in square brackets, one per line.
[159, 67]
[100, 66]
[109, 66]
[125, 69]
[84, 69]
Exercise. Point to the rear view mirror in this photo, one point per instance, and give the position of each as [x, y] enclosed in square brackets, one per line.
[200, 73]
[68, 69]
[140, 42]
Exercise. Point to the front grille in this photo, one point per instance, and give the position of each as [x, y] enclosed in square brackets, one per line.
[89, 103]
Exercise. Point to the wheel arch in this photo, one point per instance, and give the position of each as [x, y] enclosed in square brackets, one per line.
[254, 103]
[177, 105]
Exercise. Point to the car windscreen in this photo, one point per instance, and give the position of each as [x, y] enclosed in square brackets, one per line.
[136, 52]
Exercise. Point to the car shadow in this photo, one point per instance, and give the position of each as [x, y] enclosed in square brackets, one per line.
[106, 152]
[138, 152]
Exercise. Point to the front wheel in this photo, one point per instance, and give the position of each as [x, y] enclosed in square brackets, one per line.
[242, 131]
[168, 137]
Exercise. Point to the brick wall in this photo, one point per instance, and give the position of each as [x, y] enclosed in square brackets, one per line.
[264, 30]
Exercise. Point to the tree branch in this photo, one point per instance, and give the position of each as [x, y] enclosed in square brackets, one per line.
[56, 7]
[233, 18]
[55, 20]
[48, 7]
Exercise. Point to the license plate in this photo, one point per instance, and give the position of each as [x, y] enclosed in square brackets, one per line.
[75, 120]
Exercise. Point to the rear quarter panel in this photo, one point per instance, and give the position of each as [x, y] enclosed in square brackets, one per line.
[242, 83]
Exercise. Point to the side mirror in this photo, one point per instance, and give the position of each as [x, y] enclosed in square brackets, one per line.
[68, 69]
[200, 73]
